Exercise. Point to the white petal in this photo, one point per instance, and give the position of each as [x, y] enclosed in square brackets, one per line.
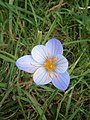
[62, 64]
[27, 64]
[54, 47]
[39, 53]
[41, 76]
[62, 81]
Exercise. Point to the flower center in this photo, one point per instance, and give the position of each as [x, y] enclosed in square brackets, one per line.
[50, 64]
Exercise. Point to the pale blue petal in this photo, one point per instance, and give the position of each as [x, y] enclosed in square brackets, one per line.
[54, 47]
[39, 53]
[27, 64]
[62, 64]
[62, 81]
[41, 76]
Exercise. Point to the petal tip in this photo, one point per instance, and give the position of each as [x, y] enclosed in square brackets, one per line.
[62, 82]
[54, 46]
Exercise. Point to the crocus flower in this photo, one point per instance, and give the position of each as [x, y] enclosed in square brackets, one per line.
[47, 64]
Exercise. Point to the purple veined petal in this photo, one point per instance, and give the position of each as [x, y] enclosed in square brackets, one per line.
[54, 47]
[27, 64]
[62, 81]
[39, 53]
[41, 76]
[62, 64]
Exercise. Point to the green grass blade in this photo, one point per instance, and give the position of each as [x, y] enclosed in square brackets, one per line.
[7, 58]
[53, 25]
[3, 85]
[48, 103]
[8, 54]
[6, 96]
[20, 104]
[35, 103]
[34, 14]
[68, 104]
[74, 65]
[73, 115]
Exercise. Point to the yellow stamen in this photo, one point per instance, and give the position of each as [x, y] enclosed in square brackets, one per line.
[50, 65]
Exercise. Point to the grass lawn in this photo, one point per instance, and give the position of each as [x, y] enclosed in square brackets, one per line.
[27, 23]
